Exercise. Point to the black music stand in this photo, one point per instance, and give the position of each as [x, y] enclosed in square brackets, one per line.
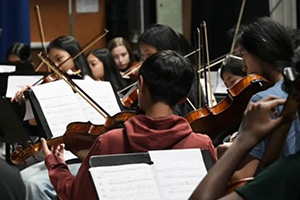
[11, 127]
[130, 158]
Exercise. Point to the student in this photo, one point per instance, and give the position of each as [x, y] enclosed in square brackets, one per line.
[121, 53]
[59, 50]
[19, 54]
[161, 37]
[231, 71]
[104, 68]
[165, 78]
[63, 47]
[35, 177]
[11, 184]
[278, 181]
[266, 48]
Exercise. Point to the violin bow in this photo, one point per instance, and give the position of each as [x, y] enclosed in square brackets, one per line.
[86, 47]
[199, 67]
[74, 86]
[42, 35]
[205, 38]
[237, 27]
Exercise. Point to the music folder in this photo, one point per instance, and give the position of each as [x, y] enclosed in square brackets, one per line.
[11, 127]
[159, 174]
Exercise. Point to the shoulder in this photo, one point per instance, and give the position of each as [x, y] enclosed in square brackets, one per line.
[275, 90]
[111, 135]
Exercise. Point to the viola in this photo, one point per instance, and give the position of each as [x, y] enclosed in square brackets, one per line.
[224, 118]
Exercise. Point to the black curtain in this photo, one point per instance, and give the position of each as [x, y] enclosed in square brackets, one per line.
[220, 16]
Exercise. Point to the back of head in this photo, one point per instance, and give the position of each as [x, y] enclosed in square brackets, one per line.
[269, 41]
[162, 37]
[70, 44]
[111, 72]
[21, 50]
[168, 75]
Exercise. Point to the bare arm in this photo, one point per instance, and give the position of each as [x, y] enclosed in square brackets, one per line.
[214, 185]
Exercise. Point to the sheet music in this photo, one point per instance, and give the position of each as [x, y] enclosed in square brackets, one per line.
[59, 106]
[178, 172]
[7, 68]
[173, 175]
[110, 182]
[29, 113]
[103, 94]
[16, 83]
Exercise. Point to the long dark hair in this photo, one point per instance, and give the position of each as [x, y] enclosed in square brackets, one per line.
[70, 44]
[162, 37]
[233, 66]
[21, 50]
[269, 41]
[111, 72]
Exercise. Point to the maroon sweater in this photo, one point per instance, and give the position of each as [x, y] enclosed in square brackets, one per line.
[140, 134]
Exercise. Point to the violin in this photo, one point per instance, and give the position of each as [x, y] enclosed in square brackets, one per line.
[54, 77]
[78, 136]
[133, 71]
[224, 118]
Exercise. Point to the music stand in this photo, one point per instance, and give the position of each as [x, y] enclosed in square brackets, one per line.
[11, 128]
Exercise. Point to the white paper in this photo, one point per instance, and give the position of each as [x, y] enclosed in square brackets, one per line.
[178, 172]
[29, 113]
[16, 83]
[7, 68]
[125, 182]
[103, 94]
[59, 105]
[62, 106]
[87, 6]
[174, 173]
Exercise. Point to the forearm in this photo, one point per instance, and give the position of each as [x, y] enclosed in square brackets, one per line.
[214, 185]
[60, 176]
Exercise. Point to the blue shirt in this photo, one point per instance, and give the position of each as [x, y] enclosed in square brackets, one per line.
[292, 143]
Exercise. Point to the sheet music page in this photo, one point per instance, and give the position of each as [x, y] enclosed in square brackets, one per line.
[7, 68]
[178, 172]
[103, 94]
[123, 182]
[59, 106]
[16, 83]
[29, 113]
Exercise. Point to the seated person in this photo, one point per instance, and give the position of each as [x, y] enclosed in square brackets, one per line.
[279, 181]
[231, 73]
[161, 87]
[11, 184]
[19, 54]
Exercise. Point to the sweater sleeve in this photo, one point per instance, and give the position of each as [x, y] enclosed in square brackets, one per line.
[60, 176]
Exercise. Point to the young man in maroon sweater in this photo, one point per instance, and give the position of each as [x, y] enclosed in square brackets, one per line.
[165, 79]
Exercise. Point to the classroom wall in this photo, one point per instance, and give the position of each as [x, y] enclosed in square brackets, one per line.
[58, 20]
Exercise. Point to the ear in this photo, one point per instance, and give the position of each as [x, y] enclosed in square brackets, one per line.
[141, 84]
